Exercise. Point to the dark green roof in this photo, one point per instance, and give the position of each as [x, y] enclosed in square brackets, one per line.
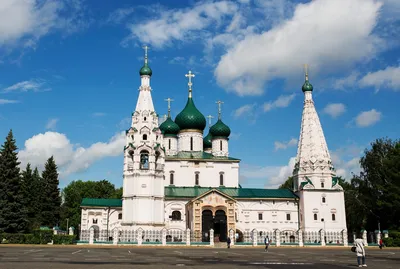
[198, 156]
[220, 129]
[145, 70]
[169, 127]
[192, 192]
[101, 202]
[190, 117]
[307, 87]
[207, 144]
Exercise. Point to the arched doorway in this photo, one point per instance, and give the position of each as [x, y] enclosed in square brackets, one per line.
[207, 224]
[220, 227]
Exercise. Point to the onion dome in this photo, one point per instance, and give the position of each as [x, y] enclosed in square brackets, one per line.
[169, 127]
[145, 70]
[207, 144]
[190, 117]
[220, 129]
[307, 87]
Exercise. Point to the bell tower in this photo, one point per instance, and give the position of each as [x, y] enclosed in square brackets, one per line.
[143, 188]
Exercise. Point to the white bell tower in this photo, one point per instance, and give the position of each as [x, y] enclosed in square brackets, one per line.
[143, 189]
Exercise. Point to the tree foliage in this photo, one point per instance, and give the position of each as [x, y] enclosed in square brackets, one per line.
[77, 190]
[50, 195]
[288, 184]
[13, 215]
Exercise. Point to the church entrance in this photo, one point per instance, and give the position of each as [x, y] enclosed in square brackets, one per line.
[217, 223]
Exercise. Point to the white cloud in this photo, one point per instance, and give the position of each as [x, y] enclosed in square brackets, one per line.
[244, 110]
[346, 160]
[335, 110]
[281, 101]
[70, 158]
[346, 82]
[235, 136]
[51, 124]
[8, 101]
[35, 85]
[176, 24]
[119, 15]
[327, 34]
[286, 144]
[388, 78]
[99, 114]
[368, 118]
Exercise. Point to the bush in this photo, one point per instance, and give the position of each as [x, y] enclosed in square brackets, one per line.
[31, 239]
[393, 240]
[12, 238]
[43, 236]
[64, 239]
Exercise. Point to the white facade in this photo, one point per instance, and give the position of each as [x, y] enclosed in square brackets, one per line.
[172, 182]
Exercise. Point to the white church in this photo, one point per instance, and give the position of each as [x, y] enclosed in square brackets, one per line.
[179, 181]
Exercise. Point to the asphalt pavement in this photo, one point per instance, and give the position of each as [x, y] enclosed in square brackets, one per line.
[79, 257]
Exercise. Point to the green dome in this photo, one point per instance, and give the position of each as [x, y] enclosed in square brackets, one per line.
[145, 70]
[220, 129]
[307, 87]
[169, 127]
[190, 117]
[207, 144]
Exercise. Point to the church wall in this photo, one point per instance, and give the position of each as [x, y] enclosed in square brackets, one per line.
[97, 216]
[176, 205]
[312, 203]
[184, 143]
[274, 215]
[171, 145]
[217, 150]
[209, 173]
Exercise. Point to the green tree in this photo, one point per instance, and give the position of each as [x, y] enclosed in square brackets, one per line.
[31, 190]
[13, 215]
[288, 184]
[51, 199]
[77, 190]
[37, 198]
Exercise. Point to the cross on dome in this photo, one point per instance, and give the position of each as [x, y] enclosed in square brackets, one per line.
[169, 100]
[219, 108]
[306, 71]
[146, 48]
[190, 75]
[209, 120]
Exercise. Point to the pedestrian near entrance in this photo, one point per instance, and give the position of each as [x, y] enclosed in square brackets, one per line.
[380, 243]
[266, 242]
[360, 250]
[228, 242]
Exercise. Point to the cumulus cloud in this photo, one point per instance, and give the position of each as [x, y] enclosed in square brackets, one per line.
[285, 144]
[368, 118]
[34, 85]
[119, 15]
[243, 110]
[386, 78]
[335, 110]
[8, 101]
[281, 101]
[346, 160]
[327, 34]
[69, 157]
[51, 124]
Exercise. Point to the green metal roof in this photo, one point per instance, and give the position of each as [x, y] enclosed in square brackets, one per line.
[192, 192]
[101, 202]
[220, 129]
[190, 117]
[199, 156]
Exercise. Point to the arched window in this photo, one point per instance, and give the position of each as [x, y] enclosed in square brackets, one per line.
[145, 118]
[221, 179]
[169, 143]
[322, 185]
[171, 178]
[120, 216]
[220, 145]
[191, 143]
[315, 217]
[333, 217]
[145, 137]
[196, 179]
[176, 215]
[144, 159]
[323, 199]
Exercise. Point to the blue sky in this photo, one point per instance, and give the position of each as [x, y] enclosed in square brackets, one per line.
[69, 77]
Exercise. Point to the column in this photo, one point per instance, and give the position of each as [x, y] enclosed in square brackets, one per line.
[211, 237]
[378, 236]
[91, 235]
[385, 233]
[188, 237]
[115, 236]
[364, 237]
[301, 244]
[140, 237]
[164, 237]
[345, 238]
[255, 234]
[232, 236]
[278, 237]
[322, 234]
[71, 230]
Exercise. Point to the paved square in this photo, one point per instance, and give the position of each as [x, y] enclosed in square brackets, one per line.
[43, 257]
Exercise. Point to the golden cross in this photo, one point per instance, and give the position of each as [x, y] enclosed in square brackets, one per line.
[169, 100]
[190, 76]
[145, 47]
[219, 108]
[209, 120]
[306, 71]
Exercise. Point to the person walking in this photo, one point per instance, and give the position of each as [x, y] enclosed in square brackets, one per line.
[380, 243]
[360, 251]
[266, 242]
[228, 242]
